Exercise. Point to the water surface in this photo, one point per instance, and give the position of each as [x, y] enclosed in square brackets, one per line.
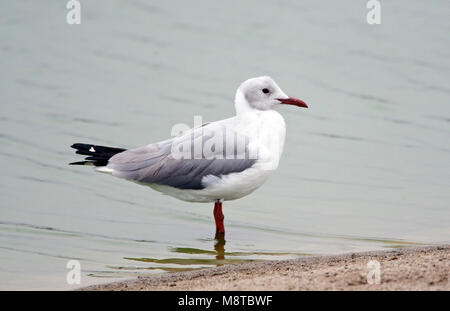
[366, 167]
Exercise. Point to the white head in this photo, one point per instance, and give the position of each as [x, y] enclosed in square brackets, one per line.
[262, 93]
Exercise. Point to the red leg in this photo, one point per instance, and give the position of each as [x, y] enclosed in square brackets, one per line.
[218, 217]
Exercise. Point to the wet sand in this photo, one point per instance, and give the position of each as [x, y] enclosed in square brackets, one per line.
[418, 268]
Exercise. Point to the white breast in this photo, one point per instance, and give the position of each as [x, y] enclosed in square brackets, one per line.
[267, 132]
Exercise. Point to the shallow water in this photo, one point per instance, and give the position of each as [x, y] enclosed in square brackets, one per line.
[366, 167]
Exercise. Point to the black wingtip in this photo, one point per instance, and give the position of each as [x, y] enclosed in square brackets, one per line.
[97, 155]
[80, 146]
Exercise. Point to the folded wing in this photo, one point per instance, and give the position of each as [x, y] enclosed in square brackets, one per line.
[182, 162]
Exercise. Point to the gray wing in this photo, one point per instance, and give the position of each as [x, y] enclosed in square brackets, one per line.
[161, 163]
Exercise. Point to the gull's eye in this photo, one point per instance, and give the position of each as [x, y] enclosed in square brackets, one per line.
[265, 91]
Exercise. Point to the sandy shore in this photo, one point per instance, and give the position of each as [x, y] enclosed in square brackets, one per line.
[419, 268]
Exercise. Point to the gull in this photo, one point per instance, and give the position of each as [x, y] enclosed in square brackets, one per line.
[215, 162]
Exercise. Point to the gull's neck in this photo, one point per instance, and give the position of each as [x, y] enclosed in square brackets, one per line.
[241, 105]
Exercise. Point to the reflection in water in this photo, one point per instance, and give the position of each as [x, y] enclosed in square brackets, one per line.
[219, 259]
[219, 246]
[189, 261]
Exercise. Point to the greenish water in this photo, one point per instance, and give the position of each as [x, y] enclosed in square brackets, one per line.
[366, 167]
